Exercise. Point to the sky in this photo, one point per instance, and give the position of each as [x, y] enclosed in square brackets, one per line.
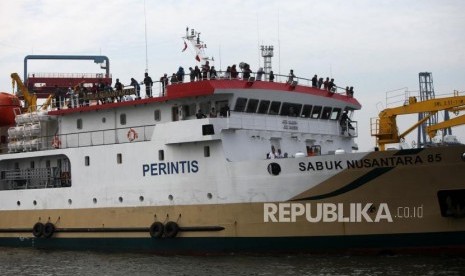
[375, 46]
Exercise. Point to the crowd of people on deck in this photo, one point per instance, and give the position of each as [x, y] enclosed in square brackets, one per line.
[79, 96]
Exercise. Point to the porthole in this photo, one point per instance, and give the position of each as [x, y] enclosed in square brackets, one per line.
[70, 201]
[94, 200]
[209, 196]
[141, 198]
[274, 169]
[18, 203]
[120, 199]
[34, 202]
[170, 197]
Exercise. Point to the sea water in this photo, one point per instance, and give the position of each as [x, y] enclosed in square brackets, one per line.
[57, 262]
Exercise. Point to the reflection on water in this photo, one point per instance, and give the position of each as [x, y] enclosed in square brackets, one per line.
[42, 262]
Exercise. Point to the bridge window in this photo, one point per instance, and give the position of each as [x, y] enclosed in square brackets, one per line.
[79, 123]
[240, 104]
[263, 107]
[274, 108]
[290, 109]
[335, 114]
[122, 119]
[326, 112]
[316, 112]
[252, 106]
[307, 111]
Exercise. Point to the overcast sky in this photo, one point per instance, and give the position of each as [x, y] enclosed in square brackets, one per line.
[375, 46]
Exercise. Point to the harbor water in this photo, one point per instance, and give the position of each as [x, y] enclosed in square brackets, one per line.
[22, 261]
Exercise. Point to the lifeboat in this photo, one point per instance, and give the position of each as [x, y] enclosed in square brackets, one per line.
[8, 103]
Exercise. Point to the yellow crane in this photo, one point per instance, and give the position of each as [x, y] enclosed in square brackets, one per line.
[384, 128]
[30, 99]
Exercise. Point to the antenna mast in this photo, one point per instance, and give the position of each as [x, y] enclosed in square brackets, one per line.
[199, 46]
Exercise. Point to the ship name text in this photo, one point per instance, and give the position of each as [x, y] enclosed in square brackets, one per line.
[167, 168]
[392, 161]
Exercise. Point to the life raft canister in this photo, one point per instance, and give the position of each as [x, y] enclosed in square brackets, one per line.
[156, 230]
[38, 229]
[132, 135]
[171, 229]
[49, 229]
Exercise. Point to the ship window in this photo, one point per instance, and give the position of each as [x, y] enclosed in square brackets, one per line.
[326, 112]
[274, 108]
[161, 155]
[263, 107]
[32, 165]
[122, 119]
[47, 163]
[335, 114]
[157, 115]
[206, 151]
[119, 158]
[252, 106]
[79, 123]
[87, 161]
[290, 109]
[307, 111]
[316, 112]
[16, 165]
[104, 119]
[240, 104]
[208, 129]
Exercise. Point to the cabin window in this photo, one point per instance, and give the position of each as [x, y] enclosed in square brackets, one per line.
[307, 111]
[79, 123]
[274, 108]
[335, 114]
[190, 110]
[119, 158]
[263, 107]
[104, 120]
[157, 115]
[161, 155]
[252, 106]
[16, 166]
[208, 129]
[87, 161]
[240, 104]
[205, 107]
[206, 151]
[47, 163]
[33, 165]
[290, 109]
[326, 112]
[316, 112]
[122, 119]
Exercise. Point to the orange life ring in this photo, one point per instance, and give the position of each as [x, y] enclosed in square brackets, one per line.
[132, 135]
[56, 143]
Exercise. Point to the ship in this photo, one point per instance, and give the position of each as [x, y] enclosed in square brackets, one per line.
[224, 163]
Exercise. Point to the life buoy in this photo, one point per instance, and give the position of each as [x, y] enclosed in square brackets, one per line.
[56, 143]
[132, 135]
[49, 229]
[38, 229]
[156, 230]
[171, 229]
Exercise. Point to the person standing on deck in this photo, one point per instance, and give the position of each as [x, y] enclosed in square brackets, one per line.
[148, 85]
[136, 86]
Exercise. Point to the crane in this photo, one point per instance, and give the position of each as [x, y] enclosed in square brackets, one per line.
[30, 99]
[386, 130]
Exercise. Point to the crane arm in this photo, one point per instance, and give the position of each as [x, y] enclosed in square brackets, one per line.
[47, 102]
[433, 129]
[30, 99]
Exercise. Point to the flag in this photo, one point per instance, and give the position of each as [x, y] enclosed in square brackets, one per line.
[185, 46]
[197, 58]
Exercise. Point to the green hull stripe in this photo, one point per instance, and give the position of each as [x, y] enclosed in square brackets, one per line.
[353, 185]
